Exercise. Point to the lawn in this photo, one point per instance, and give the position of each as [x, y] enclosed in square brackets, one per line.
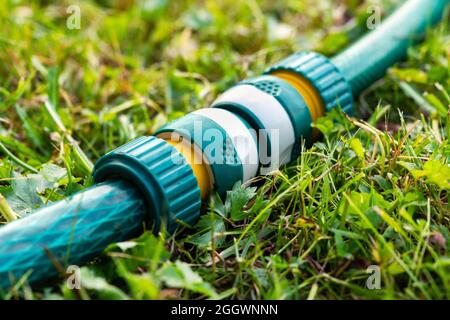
[368, 199]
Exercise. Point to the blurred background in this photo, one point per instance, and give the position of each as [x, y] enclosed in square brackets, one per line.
[121, 68]
[79, 78]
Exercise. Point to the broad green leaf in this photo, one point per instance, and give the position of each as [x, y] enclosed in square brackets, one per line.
[237, 198]
[325, 125]
[410, 75]
[99, 285]
[147, 247]
[180, 275]
[142, 286]
[365, 202]
[25, 192]
[208, 226]
[435, 172]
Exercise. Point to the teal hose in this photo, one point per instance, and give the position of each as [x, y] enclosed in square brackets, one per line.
[75, 230]
[367, 60]
[71, 231]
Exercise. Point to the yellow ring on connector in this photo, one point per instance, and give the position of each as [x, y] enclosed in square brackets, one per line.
[305, 89]
[195, 159]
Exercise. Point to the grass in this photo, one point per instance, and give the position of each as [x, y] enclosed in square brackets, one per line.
[371, 192]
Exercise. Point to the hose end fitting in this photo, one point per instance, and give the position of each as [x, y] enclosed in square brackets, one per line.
[162, 175]
[320, 73]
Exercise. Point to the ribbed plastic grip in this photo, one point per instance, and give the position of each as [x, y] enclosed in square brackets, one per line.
[163, 176]
[214, 134]
[292, 102]
[367, 60]
[71, 231]
[323, 75]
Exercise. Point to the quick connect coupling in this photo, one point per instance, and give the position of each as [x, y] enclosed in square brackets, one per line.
[226, 146]
[276, 111]
[318, 80]
[163, 176]
[253, 128]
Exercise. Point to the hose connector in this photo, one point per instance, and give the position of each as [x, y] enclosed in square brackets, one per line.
[162, 175]
[270, 103]
[317, 79]
[226, 141]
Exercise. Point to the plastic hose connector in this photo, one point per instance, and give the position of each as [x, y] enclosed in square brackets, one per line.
[257, 100]
[292, 102]
[163, 176]
[227, 144]
[323, 75]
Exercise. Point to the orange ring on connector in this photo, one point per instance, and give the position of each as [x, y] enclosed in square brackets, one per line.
[305, 89]
[194, 158]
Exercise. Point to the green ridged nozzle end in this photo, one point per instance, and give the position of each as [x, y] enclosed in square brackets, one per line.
[324, 76]
[163, 176]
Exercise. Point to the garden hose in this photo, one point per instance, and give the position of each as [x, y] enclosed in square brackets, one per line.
[253, 128]
[368, 59]
[75, 230]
